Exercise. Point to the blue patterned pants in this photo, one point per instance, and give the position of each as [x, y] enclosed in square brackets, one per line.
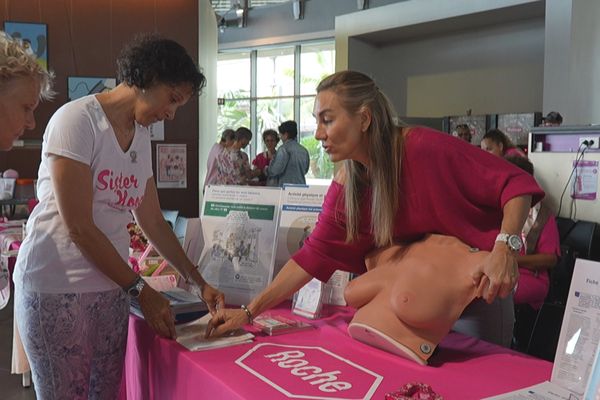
[75, 342]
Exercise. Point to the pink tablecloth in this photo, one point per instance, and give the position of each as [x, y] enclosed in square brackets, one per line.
[271, 367]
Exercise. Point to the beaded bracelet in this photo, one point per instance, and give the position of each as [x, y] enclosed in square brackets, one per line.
[248, 313]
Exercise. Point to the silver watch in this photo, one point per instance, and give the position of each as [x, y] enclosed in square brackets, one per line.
[513, 242]
[135, 289]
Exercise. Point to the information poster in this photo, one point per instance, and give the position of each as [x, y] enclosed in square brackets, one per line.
[579, 337]
[585, 184]
[171, 160]
[239, 226]
[300, 208]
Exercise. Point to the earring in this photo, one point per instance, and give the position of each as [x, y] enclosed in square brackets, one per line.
[143, 91]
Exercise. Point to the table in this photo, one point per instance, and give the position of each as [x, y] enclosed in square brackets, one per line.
[463, 367]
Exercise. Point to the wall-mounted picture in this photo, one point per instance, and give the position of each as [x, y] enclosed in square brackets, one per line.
[82, 86]
[171, 164]
[34, 38]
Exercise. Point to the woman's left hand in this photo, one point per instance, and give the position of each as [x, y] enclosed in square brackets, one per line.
[213, 298]
[498, 274]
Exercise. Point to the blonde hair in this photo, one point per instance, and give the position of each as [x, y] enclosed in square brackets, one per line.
[15, 62]
[356, 91]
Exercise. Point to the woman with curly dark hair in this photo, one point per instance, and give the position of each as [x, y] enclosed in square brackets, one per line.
[497, 143]
[72, 279]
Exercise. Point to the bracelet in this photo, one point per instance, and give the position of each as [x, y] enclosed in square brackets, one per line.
[248, 313]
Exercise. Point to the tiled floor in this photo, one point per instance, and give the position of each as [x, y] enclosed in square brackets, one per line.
[10, 385]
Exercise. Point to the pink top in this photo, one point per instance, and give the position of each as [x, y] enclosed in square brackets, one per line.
[211, 164]
[447, 186]
[261, 161]
[514, 151]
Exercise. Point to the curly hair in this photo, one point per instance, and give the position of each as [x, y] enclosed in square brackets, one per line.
[15, 62]
[150, 59]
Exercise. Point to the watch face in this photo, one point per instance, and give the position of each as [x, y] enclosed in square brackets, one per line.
[134, 292]
[514, 242]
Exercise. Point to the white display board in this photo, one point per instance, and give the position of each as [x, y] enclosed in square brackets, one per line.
[239, 227]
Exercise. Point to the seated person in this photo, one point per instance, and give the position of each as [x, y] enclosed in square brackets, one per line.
[540, 251]
[463, 132]
[552, 119]
[496, 142]
[411, 295]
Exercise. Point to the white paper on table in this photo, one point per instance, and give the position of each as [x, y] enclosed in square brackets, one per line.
[542, 391]
[579, 337]
[191, 336]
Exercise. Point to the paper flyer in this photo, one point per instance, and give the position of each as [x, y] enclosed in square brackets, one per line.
[542, 391]
[239, 226]
[579, 337]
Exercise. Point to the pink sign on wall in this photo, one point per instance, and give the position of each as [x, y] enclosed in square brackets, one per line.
[309, 372]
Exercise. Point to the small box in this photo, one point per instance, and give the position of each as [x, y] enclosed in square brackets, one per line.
[273, 324]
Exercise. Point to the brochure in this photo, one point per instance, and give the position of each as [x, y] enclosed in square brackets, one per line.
[579, 337]
[308, 301]
[576, 360]
[191, 336]
[541, 391]
[239, 227]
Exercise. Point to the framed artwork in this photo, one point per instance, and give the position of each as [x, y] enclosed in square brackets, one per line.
[34, 38]
[518, 126]
[82, 86]
[171, 160]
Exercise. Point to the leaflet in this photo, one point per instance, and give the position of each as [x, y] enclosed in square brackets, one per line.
[542, 391]
[239, 227]
[579, 334]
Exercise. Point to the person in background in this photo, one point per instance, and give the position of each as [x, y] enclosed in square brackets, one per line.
[72, 280]
[233, 165]
[227, 139]
[539, 254]
[464, 132]
[552, 119]
[387, 192]
[261, 162]
[291, 161]
[496, 142]
[23, 83]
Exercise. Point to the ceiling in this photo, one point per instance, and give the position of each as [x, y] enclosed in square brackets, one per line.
[448, 25]
[222, 6]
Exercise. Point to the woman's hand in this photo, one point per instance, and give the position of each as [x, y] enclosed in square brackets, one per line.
[498, 274]
[214, 299]
[157, 312]
[225, 320]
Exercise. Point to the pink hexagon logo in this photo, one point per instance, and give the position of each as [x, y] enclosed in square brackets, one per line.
[308, 372]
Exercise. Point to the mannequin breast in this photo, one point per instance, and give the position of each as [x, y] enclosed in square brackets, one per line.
[412, 295]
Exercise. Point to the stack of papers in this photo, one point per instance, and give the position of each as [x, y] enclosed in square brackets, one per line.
[185, 306]
[191, 336]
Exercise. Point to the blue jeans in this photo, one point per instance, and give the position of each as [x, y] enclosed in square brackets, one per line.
[75, 342]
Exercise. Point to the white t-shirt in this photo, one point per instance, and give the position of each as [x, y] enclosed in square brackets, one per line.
[49, 261]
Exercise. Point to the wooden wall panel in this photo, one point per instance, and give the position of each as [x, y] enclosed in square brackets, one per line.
[84, 39]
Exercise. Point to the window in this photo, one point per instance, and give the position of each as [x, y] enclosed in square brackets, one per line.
[261, 88]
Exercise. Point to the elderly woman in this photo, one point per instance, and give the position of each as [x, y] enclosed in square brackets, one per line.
[72, 281]
[399, 183]
[262, 160]
[23, 82]
[497, 143]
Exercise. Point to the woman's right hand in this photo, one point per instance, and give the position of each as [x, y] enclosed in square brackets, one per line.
[157, 312]
[225, 320]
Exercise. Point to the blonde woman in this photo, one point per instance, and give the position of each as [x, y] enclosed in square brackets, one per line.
[398, 184]
[23, 83]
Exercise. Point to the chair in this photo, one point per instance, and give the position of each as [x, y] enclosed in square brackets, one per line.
[546, 331]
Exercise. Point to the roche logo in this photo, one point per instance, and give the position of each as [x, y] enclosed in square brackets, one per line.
[309, 372]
